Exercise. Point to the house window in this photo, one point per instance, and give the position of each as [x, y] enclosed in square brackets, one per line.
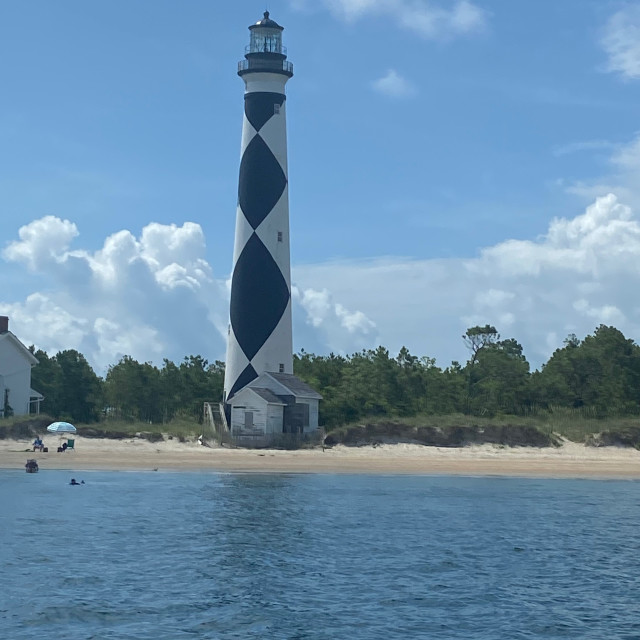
[279, 236]
[276, 109]
[281, 368]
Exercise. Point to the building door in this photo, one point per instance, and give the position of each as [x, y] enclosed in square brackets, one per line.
[296, 418]
[248, 419]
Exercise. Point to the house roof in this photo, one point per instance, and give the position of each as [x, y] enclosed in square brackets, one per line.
[295, 385]
[8, 336]
[268, 395]
[265, 394]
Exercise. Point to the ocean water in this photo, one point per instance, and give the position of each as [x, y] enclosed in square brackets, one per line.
[158, 556]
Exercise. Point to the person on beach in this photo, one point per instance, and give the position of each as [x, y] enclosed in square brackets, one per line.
[38, 444]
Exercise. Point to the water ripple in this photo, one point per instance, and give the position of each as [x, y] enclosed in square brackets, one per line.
[169, 556]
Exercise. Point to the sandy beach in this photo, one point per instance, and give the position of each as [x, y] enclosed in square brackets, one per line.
[570, 460]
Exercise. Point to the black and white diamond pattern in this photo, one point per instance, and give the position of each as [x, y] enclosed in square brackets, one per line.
[260, 331]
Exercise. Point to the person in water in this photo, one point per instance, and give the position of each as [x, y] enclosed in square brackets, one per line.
[74, 481]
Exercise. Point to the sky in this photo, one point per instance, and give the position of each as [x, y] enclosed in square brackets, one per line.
[451, 163]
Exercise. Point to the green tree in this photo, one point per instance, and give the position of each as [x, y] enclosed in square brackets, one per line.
[477, 338]
[81, 392]
[46, 378]
[133, 390]
[497, 373]
[201, 382]
[499, 379]
[325, 374]
[602, 372]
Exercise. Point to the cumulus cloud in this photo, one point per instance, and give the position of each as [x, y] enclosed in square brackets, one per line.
[394, 85]
[594, 242]
[155, 296]
[42, 243]
[343, 330]
[581, 273]
[427, 18]
[621, 42]
[147, 297]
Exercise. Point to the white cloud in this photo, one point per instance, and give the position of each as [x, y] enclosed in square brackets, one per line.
[356, 322]
[428, 18]
[150, 297]
[583, 272]
[593, 242]
[621, 42]
[394, 85]
[155, 296]
[42, 242]
[42, 320]
[607, 314]
[330, 319]
[317, 304]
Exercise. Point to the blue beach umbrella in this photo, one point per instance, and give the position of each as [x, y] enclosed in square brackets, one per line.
[61, 427]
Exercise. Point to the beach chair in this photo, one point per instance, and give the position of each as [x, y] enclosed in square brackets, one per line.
[71, 444]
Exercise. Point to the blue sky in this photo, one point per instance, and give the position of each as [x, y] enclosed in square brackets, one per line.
[450, 163]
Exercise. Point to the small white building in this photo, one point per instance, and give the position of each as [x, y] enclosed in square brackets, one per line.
[271, 405]
[15, 375]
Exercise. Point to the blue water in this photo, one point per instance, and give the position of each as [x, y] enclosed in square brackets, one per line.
[200, 555]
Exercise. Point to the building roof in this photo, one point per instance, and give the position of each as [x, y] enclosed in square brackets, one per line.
[268, 395]
[295, 385]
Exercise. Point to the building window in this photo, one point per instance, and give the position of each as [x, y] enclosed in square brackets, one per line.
[279, 236]
[276, 109]
[281, 368]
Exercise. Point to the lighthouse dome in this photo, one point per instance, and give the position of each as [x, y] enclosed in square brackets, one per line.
[267, 22]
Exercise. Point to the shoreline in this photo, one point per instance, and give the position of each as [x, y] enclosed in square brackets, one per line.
[572, 460]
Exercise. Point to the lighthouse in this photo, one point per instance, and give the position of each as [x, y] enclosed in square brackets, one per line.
[261, 394]
[260, 312]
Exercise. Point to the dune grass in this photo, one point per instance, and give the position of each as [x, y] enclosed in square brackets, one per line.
[26, 426]
[576, 425]
[573, 424]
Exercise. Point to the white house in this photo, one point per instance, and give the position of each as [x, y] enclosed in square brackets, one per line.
[271, 405]
[16, 361]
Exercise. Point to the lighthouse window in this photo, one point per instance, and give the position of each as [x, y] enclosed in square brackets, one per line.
[281, 368]
[276, 109]
[279, 236]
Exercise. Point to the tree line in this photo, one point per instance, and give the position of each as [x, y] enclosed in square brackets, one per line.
[600, 373]
[131, 390]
